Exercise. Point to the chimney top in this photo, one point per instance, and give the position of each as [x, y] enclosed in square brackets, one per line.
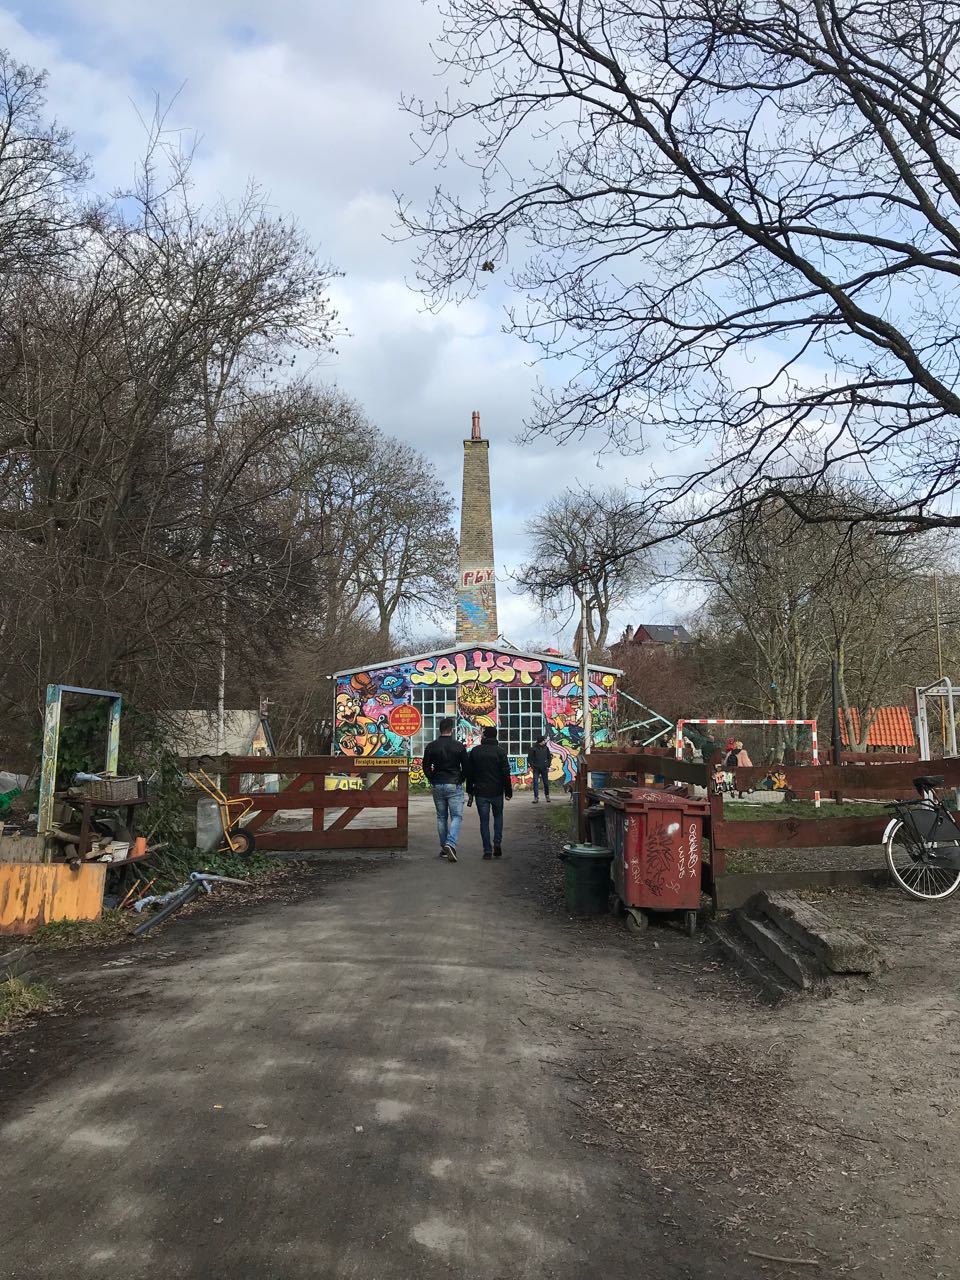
[475, 425]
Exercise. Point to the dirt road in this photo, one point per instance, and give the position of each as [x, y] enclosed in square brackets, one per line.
[429, 1071]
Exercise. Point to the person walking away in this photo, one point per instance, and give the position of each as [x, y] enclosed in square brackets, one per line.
[540, 758]
[489, 783]
[445, 765]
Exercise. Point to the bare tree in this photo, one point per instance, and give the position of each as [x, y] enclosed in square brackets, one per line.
[137, 521]
[738, 220]
[796, 596]
[40, 175]
[583, 546]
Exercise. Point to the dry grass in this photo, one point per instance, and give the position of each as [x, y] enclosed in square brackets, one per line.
[20, 997]
[112, 927]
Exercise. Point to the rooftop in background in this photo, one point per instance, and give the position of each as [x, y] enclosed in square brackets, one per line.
[891, 727]
[648, 633]
[500, 646]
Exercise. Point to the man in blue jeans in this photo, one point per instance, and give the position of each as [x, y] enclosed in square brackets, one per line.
[540, 758]
[489, 782]
[444, 764]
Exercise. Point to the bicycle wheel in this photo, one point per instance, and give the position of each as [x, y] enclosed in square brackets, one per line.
[914, 876]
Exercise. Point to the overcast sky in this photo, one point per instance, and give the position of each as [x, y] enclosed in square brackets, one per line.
[304, 96]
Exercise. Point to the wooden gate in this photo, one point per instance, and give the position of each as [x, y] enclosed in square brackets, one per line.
[344, 798]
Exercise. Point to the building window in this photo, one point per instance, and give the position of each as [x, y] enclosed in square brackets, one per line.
[519, 719]
[433, 704]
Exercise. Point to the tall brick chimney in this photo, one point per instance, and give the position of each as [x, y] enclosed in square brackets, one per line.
[477, 591]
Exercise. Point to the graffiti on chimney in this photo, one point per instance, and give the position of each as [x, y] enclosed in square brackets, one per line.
[477, 597]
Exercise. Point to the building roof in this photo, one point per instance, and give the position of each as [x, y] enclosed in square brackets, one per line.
[500, 647]
[891, 727]
[194, 733]
[664, 634]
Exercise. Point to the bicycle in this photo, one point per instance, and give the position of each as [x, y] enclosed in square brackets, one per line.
[922, 844]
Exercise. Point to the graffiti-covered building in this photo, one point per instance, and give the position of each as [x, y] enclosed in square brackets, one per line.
[393, 709]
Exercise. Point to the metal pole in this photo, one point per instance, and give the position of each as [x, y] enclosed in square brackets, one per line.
[923, 730]
[222, 682]
[936, 610]
[585, 672]
[953, 720]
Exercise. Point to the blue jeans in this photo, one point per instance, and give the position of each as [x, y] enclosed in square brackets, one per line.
[486, 805]
[541, 775]
[448, 802]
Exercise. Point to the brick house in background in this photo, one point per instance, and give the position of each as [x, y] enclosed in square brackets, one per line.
[650, 634]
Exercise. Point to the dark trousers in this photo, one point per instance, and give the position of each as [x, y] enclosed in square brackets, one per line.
[541, 775]
[485, 806]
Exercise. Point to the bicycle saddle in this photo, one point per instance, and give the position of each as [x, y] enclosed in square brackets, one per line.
[928, 782]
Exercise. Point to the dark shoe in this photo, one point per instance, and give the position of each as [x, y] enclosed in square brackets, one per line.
[451, 853]
[536, 800]
[486, 856]
[497, 851]
[547, 798]
[443, 852]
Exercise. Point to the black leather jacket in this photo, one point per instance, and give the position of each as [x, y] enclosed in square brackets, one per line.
[445, 760]
[488, 771]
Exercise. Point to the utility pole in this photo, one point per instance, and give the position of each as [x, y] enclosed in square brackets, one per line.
[585, 669]
[222, 680]
[936, 611]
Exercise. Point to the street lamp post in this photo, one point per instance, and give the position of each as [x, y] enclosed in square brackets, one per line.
[585, 669]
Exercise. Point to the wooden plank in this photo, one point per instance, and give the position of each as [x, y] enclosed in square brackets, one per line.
[235, 765]
[892, 779]
[641, 763]
[281, 800]
[33, 894]
[797, 833]
[354, 838]
[736, 889]
[718, 858]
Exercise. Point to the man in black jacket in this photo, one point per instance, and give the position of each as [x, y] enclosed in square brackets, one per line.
[489, 782]
[539, 758]
[444, 764]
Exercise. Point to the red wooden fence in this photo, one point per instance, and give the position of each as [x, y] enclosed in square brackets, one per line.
[303, 786]
[867, 781]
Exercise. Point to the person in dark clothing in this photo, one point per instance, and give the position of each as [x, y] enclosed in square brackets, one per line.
[444, 765]
[489, 783]
[540, 757]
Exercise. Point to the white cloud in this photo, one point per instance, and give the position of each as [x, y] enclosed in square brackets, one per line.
[304, 97]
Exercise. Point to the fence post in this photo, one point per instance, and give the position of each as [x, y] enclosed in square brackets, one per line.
[581, 793]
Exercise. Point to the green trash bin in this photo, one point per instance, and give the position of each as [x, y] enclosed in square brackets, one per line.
[586, 878]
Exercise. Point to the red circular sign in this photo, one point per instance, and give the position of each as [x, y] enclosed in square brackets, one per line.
[405, 720]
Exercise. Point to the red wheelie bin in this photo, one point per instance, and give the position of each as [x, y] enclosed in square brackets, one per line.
[657, 843]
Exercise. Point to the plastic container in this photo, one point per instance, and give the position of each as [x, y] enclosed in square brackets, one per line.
[657, 843]
[586, 878]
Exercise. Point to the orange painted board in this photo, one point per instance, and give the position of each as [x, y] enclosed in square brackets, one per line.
[33, 894]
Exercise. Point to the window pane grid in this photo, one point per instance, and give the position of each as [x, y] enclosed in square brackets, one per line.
[433, 704]
[519, 719]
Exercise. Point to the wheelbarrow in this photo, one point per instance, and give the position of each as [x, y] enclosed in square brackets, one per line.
[231, 809]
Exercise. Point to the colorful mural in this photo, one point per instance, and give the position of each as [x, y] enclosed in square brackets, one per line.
[366, 703]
